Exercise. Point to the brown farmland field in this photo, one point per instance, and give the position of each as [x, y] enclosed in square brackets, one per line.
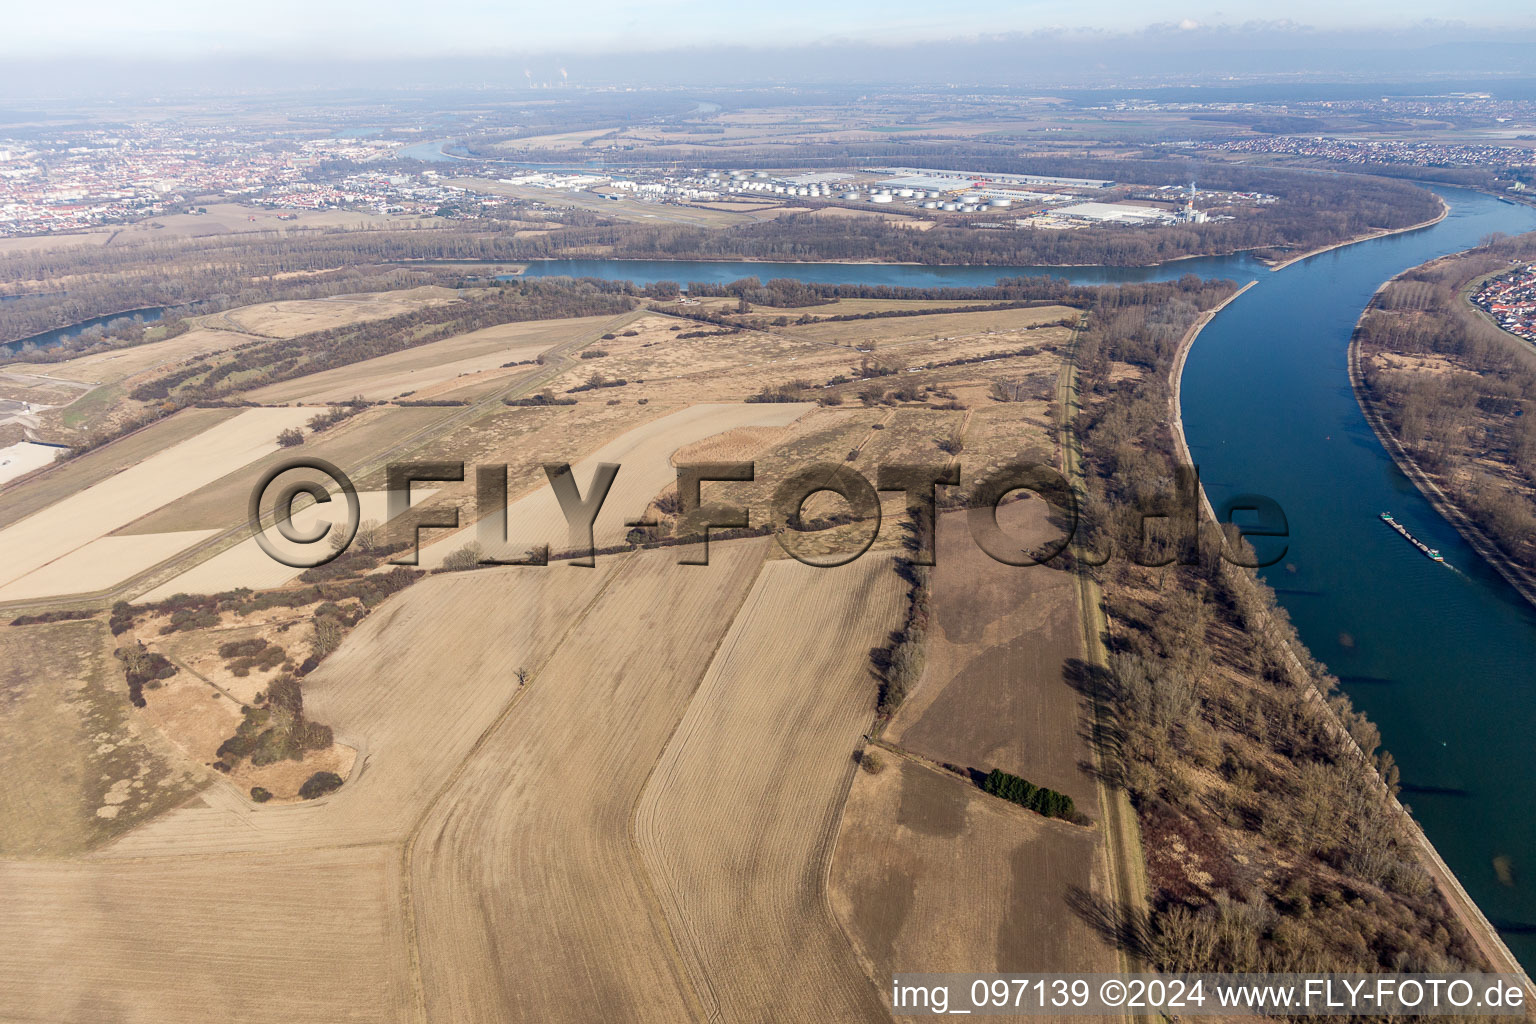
[61, 480]
[623, 793]
[265, 939]
[247, 565]
[81, 518]
[100, 565]
[534, 835]
[930, 870]
[996, 691]
[644, 455]
[352, 444]
[738, 820]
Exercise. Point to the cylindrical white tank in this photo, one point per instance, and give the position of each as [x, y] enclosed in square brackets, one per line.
[850, 195]
[930, 205]
[905, 193]
[1001, 203]
[951, 206]
[880, 197]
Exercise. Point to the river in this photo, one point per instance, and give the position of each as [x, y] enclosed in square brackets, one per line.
[48, 339]
[1440, 659]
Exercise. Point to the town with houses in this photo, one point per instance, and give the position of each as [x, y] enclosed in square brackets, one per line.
[1510, 299]
[1384, 151]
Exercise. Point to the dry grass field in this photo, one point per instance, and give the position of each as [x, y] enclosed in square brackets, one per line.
[79, 769]
[292, 317]
[738, 820]
[36, 389]
[661, 364]
[999, 325]
[421, 370]
[837, 307]
[233, 218]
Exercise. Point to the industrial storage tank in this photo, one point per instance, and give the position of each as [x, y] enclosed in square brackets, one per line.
[951, 206]
[1001, 203]
[930, 205]
[880, 197]
[850, 195]
[905, 193]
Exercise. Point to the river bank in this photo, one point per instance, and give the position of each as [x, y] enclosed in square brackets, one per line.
[56, 335]
[1518, 577]
[1462, 905]
[1445, 211]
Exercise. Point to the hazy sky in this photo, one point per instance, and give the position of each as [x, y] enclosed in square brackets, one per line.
[379, 28]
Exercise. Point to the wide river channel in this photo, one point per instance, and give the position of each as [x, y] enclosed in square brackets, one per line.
[1442, 659]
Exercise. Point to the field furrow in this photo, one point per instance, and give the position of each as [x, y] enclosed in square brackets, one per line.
[250, 939]
[738, 822]
[529, 899]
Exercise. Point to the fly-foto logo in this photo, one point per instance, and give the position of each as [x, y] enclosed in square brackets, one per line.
[273, 504]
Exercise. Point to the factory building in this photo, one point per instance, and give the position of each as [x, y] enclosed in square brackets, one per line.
[1113, 213]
